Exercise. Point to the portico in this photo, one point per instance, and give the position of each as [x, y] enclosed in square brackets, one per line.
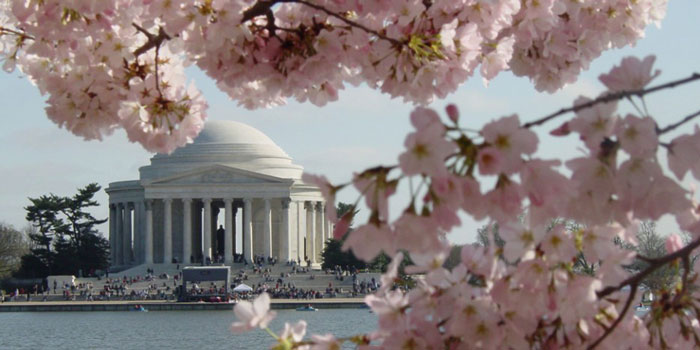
[233, 177]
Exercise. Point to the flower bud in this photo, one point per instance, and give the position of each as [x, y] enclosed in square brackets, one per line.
[562, 130]
[673, 243]
[452, 112]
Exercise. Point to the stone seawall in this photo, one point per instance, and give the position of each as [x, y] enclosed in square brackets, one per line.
[277, 304]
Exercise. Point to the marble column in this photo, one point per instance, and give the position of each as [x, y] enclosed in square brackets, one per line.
[207, 229]
[138, 233]
[248, 229]
[120, 234]
[267, 229]
[112, 233]
[301, 228]
[127, 234]
[326, 225]
[233, 219]
[320, 232]
[228, 236]
[284, 244]
[168, 231]
[197, 230]
[311, 231]
[187, 230]
[148, 244]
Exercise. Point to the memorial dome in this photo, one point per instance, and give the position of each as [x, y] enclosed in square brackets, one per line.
[226, 143]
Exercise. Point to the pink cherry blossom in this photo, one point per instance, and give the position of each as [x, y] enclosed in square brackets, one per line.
[252, 315]
[295, 332]
[426, 150]
[491, 161]
[452, 113]
[512, 141]
[325, 342]
[637, 136]
[107, 65]
[327, 190]
[342, 226]
[520, 239]
[682, 154]
[558, 245]
[631, 74]
[594, 124]
[673, 243]
[381, 236]
[376, 190]
[389, 277]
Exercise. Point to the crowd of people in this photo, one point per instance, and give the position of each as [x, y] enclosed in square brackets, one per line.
[162, 286]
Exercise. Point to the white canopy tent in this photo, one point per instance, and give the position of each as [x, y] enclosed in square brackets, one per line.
[242, 288]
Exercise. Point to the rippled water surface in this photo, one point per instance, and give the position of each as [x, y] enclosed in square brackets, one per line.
[162, 329]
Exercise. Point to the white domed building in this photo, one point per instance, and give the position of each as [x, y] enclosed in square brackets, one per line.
[232, 194]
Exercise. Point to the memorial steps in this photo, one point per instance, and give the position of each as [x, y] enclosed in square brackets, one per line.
[320, 281]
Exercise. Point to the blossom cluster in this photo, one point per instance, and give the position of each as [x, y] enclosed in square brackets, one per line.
[530, 293]
[109, 64]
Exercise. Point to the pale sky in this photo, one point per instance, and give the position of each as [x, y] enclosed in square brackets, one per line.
[363, 129]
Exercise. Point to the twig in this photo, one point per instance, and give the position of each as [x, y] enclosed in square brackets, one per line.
[262, 7]
[15, 32]
[612, 97]
[349, 22]
[654, 264]
[675, 125]
[609, 330]
[686, 273]
[160, 93]
[153, 40]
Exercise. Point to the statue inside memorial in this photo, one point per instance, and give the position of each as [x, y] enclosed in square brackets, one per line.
[220, 241]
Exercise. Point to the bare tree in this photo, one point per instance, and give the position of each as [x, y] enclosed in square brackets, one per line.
[13, 245]
[652, 245]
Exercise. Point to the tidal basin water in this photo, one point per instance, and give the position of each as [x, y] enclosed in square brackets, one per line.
[163, 329]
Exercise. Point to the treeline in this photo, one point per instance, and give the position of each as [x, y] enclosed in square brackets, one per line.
[650, 245]
[333, 254]
[64, 240]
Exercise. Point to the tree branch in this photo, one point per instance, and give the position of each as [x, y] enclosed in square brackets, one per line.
[262, 7]
[615, 96]
[153, 40]
[675, 125]
[609, 330]
[654, 264]
[349, 22]
[5, 30]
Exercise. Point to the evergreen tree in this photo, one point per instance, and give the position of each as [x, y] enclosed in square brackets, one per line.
[43, 215]
[65, 241]
[332, 254]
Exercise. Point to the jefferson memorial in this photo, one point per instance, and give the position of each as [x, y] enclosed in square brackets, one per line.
[232, 194]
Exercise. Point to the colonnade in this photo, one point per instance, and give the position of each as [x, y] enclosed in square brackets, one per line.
[298, 231]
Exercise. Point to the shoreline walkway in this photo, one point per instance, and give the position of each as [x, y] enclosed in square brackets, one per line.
[160, 305]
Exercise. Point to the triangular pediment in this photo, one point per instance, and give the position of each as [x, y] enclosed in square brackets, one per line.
[219, 174]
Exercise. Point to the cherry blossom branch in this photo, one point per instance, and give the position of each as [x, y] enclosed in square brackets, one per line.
[654, 264]
[609, 330]
[160, 93]
[675, 125]
[5, 30]
[686, 273]
[349, 22]
[635, 280]
[262, 8]
[154, 41]
[615, 96]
